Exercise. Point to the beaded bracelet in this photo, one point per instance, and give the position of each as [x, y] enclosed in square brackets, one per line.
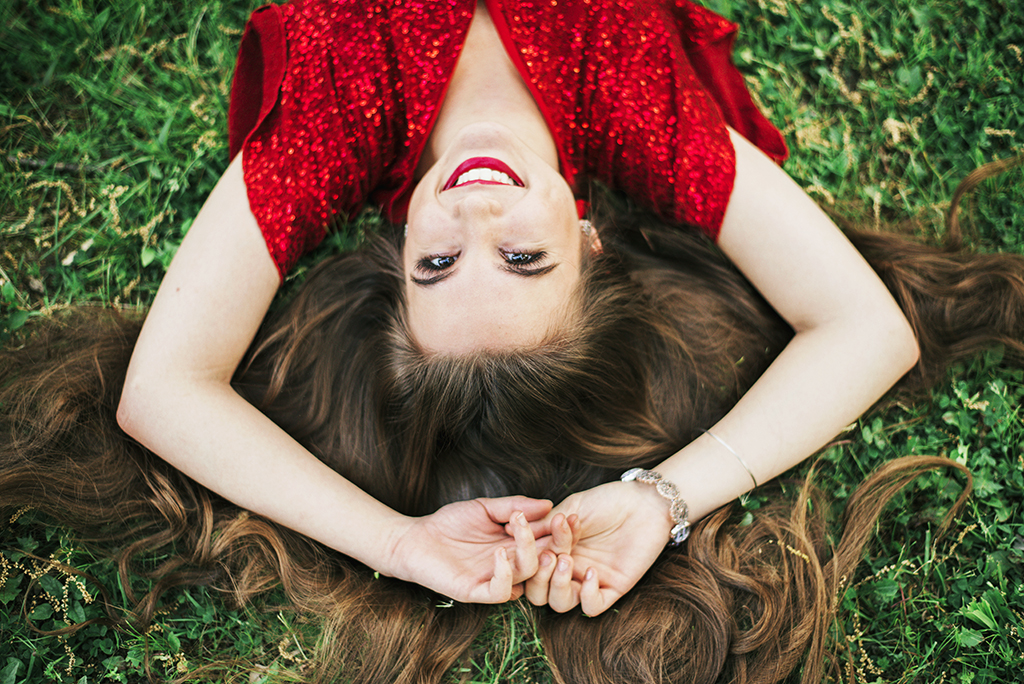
[678, 510]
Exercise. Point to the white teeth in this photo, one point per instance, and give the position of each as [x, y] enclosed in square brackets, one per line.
[484, 174]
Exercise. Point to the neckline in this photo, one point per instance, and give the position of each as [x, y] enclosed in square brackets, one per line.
[400, 205]
[512, 49]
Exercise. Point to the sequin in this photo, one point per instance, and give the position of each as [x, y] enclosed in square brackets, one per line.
[333, 102]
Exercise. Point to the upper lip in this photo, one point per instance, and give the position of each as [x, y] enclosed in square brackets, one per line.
[482, 163]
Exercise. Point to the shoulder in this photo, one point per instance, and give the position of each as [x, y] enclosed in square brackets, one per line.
[328, 100]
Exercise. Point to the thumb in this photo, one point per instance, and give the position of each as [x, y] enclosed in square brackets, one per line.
[501, 510]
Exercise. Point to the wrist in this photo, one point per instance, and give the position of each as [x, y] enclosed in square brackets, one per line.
[394, 555]
[657, 508]
[708, 476]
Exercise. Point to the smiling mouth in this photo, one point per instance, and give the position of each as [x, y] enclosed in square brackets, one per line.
[483, 171]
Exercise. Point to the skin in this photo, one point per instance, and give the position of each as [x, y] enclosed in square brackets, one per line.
[852, 343]
[480, 229]
[178, 402]
[490, 266]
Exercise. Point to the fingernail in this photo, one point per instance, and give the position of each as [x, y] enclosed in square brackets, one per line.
[563, 564]
[521, 519]
[590, 574]
[545, 560]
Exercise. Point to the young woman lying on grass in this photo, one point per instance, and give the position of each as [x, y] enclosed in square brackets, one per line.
[499, 342]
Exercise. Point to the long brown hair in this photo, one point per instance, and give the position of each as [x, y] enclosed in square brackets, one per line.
[653, 355]
[667, 337]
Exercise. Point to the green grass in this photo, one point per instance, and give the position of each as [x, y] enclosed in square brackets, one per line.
[115, 112]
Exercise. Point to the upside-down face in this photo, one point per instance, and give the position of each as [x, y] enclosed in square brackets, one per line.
[493, 248]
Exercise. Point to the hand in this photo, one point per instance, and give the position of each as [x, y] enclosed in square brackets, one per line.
[464, 552]
[600, 543]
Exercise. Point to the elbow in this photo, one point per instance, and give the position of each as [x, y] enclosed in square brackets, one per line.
[913, 351]
[139, 400]
[153, 402]
[880, 336]
[902, 346]
[127, 407]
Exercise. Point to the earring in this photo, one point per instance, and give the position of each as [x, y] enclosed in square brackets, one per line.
[586, 226]
[406, 233]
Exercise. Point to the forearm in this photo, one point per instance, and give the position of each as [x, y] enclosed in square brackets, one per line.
[823, 380]
[210, 433]
[852, 341]
[179, 403]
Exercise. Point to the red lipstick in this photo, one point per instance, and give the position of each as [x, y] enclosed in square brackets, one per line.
[483, 163]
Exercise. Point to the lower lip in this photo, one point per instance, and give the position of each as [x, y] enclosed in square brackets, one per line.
[478, 163]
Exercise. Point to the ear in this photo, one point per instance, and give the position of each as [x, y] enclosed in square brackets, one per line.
[590, 235]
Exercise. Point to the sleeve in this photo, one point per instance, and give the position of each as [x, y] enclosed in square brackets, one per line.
[653, 131]
[297, 117]
[258, 75]
[656, 101]
[708, 41]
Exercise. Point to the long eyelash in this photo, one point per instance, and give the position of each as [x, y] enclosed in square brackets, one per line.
[534, 264]
[534, 267]
[431, 280]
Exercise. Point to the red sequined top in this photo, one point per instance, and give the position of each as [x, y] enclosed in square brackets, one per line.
[333, 101]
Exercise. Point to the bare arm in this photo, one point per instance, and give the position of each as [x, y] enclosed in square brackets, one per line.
[178, 402]
[852, 343]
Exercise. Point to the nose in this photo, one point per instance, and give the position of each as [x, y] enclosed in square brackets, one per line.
[477, 206]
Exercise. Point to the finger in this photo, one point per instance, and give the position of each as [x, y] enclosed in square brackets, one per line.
[525, 564]
[518, 590]
[501, 510]
[543, 531]
[576, 526]
[537, 586]
[540, 528]
[592, 601]
[561, 535]
[534, 509]
[564, 593]
[499, 589]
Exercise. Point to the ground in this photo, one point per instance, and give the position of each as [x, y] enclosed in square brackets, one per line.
[112, 131]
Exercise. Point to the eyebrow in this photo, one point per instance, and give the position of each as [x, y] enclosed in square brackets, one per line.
[508, 268]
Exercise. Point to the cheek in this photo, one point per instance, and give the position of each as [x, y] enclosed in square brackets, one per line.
[560, 204]
[415, 206]
[419, 202]
[406, 263]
